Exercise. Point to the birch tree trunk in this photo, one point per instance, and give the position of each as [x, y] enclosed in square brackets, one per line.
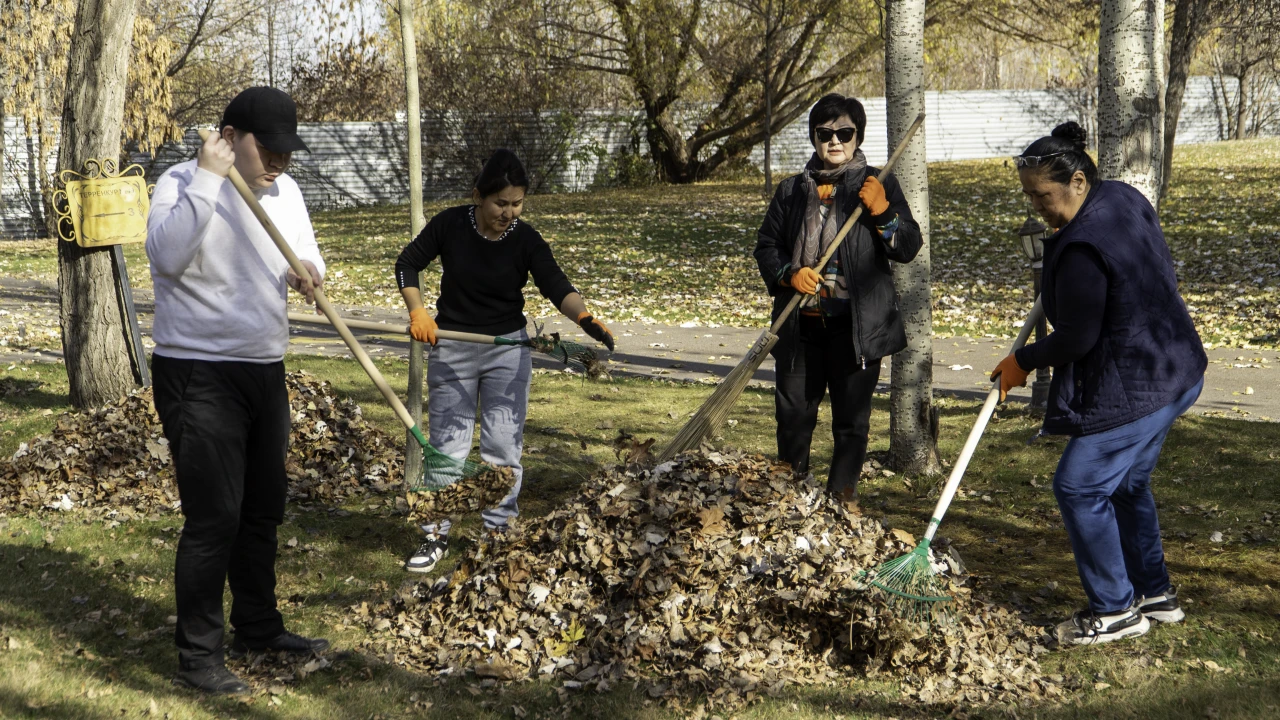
[1131, 94]
[913, 418]
[94, 337]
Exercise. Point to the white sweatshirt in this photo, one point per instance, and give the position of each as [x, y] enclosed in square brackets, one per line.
[220, 282]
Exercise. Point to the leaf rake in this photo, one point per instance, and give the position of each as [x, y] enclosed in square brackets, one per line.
[910, 581]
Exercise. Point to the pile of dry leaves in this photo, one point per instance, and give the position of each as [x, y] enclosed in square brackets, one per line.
[116, 457]
[720, 574]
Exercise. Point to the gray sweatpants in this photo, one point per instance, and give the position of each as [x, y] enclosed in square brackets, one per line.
[461, 375]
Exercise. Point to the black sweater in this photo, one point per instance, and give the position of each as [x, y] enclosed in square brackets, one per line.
[482, 280]
[1084, 291]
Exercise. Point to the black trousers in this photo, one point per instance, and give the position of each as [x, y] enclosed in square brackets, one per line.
[228, 429]
[814, 356]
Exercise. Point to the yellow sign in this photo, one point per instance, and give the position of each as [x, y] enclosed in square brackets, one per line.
[103, 206]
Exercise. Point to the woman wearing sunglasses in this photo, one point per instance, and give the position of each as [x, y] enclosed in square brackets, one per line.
[487, 254]
[1127, 362]
[849, 319]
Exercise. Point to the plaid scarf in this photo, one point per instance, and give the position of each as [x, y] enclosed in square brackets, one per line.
[816, 235]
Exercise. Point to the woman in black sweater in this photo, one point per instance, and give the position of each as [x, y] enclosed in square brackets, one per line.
[487, 254]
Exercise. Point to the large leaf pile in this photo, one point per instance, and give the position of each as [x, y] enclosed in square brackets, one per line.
[116, 458]
[720, 574]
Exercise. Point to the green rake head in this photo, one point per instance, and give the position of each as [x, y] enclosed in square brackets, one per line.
[912, 588]
[439, 471]
[575, 355]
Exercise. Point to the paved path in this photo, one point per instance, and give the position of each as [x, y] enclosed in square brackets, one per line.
[1239, 383]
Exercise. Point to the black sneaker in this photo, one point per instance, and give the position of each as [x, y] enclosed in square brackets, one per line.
[432, 550]
[284, 642]
[214, 679]
[1089, 628]
[1162, 608]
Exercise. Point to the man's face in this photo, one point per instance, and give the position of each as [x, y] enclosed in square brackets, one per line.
[257, 165]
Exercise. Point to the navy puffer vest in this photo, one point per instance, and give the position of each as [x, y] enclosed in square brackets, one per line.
[1148, 352]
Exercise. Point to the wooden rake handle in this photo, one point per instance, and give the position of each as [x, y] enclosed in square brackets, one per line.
[848, 224]
[975, 435]
[322, 302]
[402, 329]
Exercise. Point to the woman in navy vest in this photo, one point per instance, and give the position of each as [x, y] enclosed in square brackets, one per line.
[1127, 362]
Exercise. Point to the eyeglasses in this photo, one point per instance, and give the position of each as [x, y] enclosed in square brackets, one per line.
[1030, 161]
[844, 134]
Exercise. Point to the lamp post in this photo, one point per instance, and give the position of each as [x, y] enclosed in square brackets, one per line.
[1032, 235]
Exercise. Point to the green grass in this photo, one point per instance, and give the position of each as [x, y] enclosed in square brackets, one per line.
[1216, 475]
[683, 254]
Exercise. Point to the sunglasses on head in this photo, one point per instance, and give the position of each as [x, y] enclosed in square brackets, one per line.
[1030, 161]
[844, 134]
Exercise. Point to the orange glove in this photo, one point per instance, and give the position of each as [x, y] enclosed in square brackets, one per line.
[422, 326]
[872, 194]
[1011, 375]
[596, 329]
[805, 280]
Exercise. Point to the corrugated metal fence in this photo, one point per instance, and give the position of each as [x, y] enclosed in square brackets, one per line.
[352, 164]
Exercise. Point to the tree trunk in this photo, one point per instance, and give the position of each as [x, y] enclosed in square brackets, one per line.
[912, 426]
[768, 100]
[1131, 94]
[413, 119]
[1242, 93]
[94, 338]
[1188, 28]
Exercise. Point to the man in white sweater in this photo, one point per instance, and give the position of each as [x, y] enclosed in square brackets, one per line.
[221, 332]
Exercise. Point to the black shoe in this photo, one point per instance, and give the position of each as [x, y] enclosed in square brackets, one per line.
[432, 550]
[284, 642]
[1162, 608]
[214, 679]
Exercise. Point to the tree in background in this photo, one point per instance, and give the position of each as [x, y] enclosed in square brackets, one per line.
[913, 419]
[488, 81]
[1192, 22]
[34, 37]
[351, 74]
[695, 68]
[1244, 47]
[94, 344]
[1131, 94]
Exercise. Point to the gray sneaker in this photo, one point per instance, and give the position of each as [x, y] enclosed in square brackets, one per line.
[1162, 608]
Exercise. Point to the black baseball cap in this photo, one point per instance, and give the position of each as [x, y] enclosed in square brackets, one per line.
[270, 114]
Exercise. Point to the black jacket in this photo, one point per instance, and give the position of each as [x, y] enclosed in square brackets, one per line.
[864, 258]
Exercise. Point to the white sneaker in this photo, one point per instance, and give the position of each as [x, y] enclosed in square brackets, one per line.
[430, 552]
[1089, 628]
[1162, 608]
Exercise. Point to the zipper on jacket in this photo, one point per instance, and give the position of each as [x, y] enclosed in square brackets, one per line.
[853, 296]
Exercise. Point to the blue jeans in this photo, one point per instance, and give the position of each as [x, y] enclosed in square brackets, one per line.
[1103, 487]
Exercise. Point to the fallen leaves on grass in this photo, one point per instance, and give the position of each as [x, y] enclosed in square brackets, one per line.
[722, 574]
[116, 458]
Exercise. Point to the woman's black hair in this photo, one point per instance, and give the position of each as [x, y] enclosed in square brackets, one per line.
[1069, 139]
[833, 105]
[501, 171]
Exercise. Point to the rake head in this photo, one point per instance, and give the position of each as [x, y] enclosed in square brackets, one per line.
[575, 355]
[911, 586]
[439, 471]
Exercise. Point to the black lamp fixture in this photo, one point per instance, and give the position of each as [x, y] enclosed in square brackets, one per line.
[1031, 237]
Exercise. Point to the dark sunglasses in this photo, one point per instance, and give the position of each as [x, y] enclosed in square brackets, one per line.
[1030, 161]
[844, 134]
